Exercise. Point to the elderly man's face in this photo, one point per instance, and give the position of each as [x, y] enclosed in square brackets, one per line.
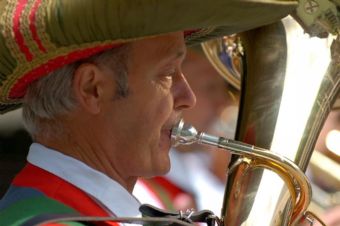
[138, 127]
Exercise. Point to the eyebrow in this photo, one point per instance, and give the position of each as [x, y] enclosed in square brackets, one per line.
[175, 56]
[175, 51]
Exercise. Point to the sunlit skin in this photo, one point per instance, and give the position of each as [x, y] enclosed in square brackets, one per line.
[331, 216]
[128, 137]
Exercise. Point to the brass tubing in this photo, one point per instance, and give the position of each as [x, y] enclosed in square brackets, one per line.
[295, 179]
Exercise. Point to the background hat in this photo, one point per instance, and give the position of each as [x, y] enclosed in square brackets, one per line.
[40, 36]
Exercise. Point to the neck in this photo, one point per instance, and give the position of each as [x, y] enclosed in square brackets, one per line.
[82, 144]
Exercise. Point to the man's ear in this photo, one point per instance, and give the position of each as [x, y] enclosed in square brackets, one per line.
[88, 86]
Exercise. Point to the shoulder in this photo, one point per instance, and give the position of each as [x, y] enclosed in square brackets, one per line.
[21, 204]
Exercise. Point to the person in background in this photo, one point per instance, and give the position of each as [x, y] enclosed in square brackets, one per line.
[325, 180]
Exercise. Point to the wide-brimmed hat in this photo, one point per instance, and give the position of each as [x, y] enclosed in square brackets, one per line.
[40, 36]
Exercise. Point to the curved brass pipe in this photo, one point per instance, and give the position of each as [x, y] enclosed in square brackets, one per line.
[297, 182]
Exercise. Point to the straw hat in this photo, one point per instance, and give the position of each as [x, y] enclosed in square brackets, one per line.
[40, 36]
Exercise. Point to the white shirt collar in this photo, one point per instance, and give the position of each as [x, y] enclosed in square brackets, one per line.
[106, 191]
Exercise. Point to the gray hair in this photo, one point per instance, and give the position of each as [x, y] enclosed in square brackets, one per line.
[52, 96]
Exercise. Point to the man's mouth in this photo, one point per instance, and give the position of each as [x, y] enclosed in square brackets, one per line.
[173, 127]
[167, 130]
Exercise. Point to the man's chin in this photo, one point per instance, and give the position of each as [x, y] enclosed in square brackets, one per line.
[161, 167]
[157, 172]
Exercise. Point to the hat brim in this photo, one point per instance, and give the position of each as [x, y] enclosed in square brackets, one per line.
[39, 37]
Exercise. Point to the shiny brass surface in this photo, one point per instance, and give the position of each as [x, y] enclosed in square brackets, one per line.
[255, 196]
[253, 157]
[229, 62]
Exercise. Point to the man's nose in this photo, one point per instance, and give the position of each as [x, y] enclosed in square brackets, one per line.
[184, 97]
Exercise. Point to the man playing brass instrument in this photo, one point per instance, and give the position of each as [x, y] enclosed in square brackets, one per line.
[101, 86]
[195, 180]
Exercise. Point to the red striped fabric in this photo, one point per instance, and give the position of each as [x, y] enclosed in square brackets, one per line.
[19, 38]
[33, 27]
[60, 190]
[19, 89]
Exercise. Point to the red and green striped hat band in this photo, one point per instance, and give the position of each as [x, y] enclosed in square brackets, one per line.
[40, 36]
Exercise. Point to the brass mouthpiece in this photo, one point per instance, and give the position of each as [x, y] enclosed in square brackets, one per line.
[183, 134]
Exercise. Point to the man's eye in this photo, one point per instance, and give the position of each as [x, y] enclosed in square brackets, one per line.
[170, 74]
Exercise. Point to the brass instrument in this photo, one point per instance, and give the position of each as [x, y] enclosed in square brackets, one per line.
[300, 190]
[255, 196]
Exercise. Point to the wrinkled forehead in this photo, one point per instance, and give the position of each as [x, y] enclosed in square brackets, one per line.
[173, 44]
